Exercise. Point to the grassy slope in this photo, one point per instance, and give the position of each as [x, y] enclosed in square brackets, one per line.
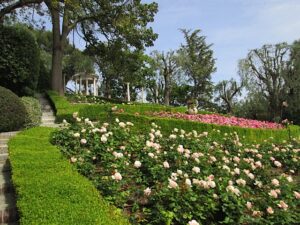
[49, 189]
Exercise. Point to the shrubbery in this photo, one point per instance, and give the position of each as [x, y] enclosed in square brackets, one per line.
[12, 111]
[19, 60]
[33, 111]
[186, 177]
[49, 190]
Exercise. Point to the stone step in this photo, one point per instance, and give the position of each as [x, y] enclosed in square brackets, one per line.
[54, 125]
[48, 114]
[3, 140]
[3, 149]
[8, 211]
[6, 135]
[3, 157]
[48, 120]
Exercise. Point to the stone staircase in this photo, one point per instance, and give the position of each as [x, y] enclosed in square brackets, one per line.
[48, 116]
[8, 209]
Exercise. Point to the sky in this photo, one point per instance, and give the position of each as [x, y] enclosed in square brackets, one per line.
[233, 27]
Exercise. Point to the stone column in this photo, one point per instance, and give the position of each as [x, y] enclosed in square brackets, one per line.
[86, 86]
[80, 85]
[128, 92]
[94, 87]
[76, 86]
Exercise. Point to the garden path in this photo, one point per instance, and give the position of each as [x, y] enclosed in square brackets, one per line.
[8, 209]
[48, 116]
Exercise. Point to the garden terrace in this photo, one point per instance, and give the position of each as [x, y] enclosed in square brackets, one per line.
[134, 113]
[49, 190]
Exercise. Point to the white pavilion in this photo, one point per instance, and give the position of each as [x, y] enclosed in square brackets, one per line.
[86, 84]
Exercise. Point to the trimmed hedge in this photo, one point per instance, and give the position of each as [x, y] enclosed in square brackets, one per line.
[12, 111]
[100, 112]
[49, 189]
[33, 112]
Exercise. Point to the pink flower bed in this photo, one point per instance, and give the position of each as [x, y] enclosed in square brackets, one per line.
[221, 120]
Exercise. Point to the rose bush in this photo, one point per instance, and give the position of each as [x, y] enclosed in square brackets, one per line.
[186, 178]
[221, 120]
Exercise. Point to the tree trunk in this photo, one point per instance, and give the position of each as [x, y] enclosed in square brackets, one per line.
[57, 55]
[167, 89]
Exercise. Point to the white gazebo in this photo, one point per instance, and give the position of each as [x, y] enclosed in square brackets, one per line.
[86, 83]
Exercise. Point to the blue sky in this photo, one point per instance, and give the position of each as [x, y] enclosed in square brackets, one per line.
[233, 26]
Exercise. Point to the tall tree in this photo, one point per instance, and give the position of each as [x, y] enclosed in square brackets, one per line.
[124, 19]
[167, 67]
[227, 91]
[264, 70]
[196, 60]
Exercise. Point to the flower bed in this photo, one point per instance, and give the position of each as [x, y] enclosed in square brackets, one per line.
[221, 120]
[186, 178]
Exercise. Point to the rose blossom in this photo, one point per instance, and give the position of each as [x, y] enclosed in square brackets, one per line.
[270, 210]
[83, 141]
[76, 135]
[172, 184]
[278, 164]
[273, 194]
[275, 182]
[249, 205]
[137, 164]
[241, 182]
[297, 195]
[117, 176]
[103, 138]
[180, 149]
[188, 182]
[166, 164]
[150, 154]
[196, 169]
[73, 159]
[282, 205]
[147, 191]
[193, 222]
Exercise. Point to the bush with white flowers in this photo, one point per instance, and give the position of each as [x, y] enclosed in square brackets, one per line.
[186, 178]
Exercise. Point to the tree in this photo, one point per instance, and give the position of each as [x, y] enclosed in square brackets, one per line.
[19, 60]
[122, 19]
[167, 67]
[227, 91]
[196, 60]
[264, 70]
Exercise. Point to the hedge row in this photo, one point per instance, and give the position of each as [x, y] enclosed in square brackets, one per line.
[49, 189]
[99, 112]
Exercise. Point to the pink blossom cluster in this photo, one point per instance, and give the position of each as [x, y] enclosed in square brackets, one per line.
[221, 120]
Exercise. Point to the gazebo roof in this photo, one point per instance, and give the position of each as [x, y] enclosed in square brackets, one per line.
[84, 76]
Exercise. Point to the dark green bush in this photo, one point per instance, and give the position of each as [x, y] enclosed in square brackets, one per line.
[12, 111]
[33, 111]
[19, 60]
[49, 189]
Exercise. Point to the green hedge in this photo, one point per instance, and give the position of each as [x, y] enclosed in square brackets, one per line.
[99, 112]
[49, 190]
[33, 111]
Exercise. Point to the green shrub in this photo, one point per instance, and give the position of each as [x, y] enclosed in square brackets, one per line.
[49, 190]
[33, 111]
[12, 111]
[19, 60]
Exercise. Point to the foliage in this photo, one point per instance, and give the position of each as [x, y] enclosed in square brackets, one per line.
[263, 71]
[49, 190]
[181, 177]
[196, 60]
[33, 111]
[167, 67]
[19, 60]
[227, 91]
[13, 113]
